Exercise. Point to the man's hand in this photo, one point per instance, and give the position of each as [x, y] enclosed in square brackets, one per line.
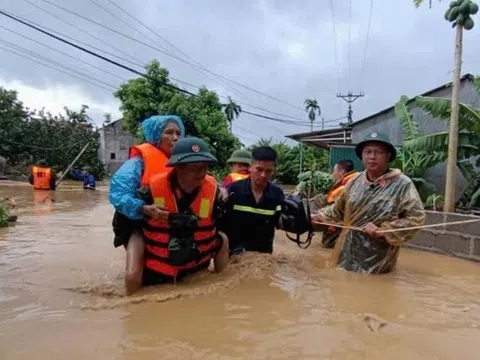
[155, 212]
[373, 230]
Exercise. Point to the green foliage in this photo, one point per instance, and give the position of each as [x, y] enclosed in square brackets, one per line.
[27, 136]
[3, 217]
[321, 183]
[417, 3]
[468, 141]
[288, 159]
[433, 200]
[232, 111]
[311, 105]
[202, 114]
[414, 163]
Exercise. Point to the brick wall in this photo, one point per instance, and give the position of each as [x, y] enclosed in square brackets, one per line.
[461, 240]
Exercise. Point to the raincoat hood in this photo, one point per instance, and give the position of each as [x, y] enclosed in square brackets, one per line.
[154, 125]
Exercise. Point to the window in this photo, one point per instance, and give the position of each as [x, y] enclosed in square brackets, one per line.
[112, 156]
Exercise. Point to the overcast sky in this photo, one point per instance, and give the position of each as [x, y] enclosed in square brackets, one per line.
[282, 48]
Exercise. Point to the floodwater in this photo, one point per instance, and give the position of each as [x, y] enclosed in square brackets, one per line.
[61, 297]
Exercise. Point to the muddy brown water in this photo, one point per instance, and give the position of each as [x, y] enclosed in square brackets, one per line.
[61, 297]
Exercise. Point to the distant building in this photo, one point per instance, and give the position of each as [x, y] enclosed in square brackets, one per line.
[341, 142]
[114, 145]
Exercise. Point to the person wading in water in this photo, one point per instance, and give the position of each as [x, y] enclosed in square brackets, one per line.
[145, 160]
[379, 198]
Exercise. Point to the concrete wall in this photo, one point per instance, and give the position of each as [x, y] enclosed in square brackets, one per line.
[114, 146]
[461, 240]
[389, 125]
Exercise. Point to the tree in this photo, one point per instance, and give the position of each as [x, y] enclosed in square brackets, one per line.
[288, 166]
[311, 105]
[232, 111]
[459, 14]
[28, 136]
[420, 2]
[202, 114]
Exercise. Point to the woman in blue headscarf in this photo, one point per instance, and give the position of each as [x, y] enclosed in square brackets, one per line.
[145, 160]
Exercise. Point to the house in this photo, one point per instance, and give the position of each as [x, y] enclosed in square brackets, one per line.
[341, 141]
[115, 143]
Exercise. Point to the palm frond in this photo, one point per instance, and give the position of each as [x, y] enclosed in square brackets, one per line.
[403, 114]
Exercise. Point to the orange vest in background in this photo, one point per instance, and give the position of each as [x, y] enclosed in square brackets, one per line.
[338, 188]
[41, 177]
[154, 160]
[156, 232]
[237, 176]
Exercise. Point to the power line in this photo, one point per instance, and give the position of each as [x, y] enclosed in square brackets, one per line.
[136, 62]
[168, 54]
[83, 31]
[123, 21]
[350, 98]
[63, 53]
[335, 45]
[204, 69]
[362, 79]
[350, 43]
[130, 69]
[71, 38]
[57, 69]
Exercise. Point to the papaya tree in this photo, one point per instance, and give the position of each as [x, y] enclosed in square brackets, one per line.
[459, 13]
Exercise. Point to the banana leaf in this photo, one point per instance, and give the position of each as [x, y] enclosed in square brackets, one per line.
[403, 114]
[468, 119]
[468, 144]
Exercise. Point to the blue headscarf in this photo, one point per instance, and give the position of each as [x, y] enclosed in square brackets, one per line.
[154, 125]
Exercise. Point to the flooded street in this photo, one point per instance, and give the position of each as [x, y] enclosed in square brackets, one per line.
[62, 297]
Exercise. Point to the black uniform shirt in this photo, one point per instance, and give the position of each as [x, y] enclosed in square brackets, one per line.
[250, 224]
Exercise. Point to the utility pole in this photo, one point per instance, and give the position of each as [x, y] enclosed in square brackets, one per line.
[350, 98]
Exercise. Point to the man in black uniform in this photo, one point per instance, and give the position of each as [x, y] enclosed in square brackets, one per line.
[254, 205]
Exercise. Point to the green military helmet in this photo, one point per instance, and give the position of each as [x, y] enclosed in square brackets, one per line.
[240, 156]
[190, 150]
[376, 137]
[42, 162]
[87, 169]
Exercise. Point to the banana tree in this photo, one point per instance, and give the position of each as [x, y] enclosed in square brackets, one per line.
[468, 140]
[414, 163]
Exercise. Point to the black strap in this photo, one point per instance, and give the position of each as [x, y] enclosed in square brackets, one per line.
[308, 241]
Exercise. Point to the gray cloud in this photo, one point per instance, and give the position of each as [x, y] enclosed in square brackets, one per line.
[277, 47]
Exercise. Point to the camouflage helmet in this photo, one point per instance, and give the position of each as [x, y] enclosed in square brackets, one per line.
[42, 162]
[190, 150]
[240, 156]
[376, 137]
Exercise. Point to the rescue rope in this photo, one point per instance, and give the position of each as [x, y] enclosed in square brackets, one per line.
[356, 228]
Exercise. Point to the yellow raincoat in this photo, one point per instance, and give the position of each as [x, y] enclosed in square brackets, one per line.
[391, 202]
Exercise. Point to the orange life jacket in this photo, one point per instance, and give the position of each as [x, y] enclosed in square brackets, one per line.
[338, 188]
[154, 160]
[238, 176]
[156, 232]
[41, 177]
